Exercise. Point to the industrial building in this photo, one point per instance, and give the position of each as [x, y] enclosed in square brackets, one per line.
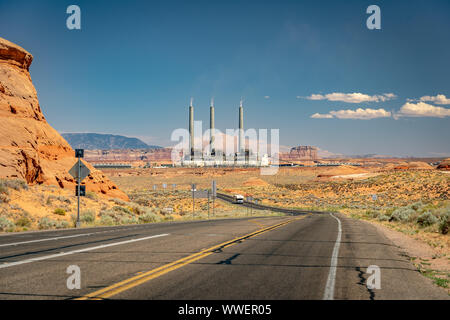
[215, 157]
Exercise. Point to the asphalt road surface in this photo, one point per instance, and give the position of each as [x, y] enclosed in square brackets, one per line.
[314, 256]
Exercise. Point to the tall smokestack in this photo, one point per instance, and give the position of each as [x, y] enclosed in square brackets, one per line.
[191, 128]
[211, 126]
[241, 128]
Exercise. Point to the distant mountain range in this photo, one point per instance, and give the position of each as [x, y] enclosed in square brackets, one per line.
[96, 141]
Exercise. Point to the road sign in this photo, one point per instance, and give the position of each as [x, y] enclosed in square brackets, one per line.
[79, 153]
[201, 194]
[84, 171]
[82, 191]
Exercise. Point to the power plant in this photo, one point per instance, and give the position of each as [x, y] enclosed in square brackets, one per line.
[215, 156]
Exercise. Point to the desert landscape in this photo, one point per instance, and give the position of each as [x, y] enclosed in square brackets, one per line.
[406, 199]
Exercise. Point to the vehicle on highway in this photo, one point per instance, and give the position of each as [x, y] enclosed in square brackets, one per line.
[238, 198]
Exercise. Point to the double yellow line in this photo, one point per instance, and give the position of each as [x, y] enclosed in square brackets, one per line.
[152, 274]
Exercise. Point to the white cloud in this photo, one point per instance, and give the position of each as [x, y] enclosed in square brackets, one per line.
[422, 109]
[439, 99]
[352, 97]
[266, 97]
[321, 116]
[360, 114]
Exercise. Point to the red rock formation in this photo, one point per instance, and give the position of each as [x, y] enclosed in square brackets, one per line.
[29, 147]
[444, 165]
[300, 153]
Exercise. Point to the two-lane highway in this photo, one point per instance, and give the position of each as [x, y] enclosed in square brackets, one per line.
[289, 257]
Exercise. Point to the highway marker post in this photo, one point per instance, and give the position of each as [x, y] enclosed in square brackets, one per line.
[193, 198]
[214, 194]
[208, 202]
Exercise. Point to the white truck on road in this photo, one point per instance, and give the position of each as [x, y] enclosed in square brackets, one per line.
[238, 198]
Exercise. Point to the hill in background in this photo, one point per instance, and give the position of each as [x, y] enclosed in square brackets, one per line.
[95, 141]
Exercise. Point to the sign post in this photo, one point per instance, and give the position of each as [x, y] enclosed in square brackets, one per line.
[79, 171]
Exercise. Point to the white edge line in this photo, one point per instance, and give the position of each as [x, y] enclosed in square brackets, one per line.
[11, 264]
[329, 288]
[62, 237]
[45, 239]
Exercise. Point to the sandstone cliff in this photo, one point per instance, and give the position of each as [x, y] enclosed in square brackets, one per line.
[29, 147]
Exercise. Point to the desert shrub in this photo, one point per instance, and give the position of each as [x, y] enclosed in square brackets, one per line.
[4, 189]
[6, 224]
[60, 212]
[137, 209]
[427, 219]
[142, 200]
[416, 206]
[372, 213]
[383, 217]
[119, 202]
[61, 225]
[128, 220]
[404, 214]
[46, 223]
[121, 210]
[16, 184]
[149, 217]
[64, 199]
[4, 198]
[91, 195]
[169, 217]
[114, 215]
[23, 222]
[106, 220]
[73, 218]
[87, 216]
[444, 223]
[49, 200]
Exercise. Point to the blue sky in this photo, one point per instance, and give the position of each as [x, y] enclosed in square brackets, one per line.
[134, 65]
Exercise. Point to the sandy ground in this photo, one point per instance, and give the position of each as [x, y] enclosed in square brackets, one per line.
[416, 249]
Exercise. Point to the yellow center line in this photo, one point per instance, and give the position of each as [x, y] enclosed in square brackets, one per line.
[154, 273]
[257, 223]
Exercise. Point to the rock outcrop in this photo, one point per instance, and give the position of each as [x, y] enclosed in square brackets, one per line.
[29, 147]
[300, 153]
[444, 165]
